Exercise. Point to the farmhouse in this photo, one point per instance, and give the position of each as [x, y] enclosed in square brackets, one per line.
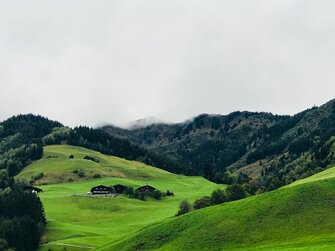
[119, 188]
[32, 189]
[146, 188]
[100, 190]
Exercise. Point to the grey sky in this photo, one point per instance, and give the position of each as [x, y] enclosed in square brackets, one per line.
[88, 62]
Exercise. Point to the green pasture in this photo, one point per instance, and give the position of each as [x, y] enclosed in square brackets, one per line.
[296, 217]
[78, 222]
[299, 217]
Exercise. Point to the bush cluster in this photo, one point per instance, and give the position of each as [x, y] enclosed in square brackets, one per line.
[219, 196]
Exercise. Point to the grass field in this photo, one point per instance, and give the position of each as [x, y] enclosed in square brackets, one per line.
[83, 223]
[296, 217]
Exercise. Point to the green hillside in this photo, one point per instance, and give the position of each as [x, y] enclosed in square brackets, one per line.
[326, 174]
[57, 167]
[78, 222]
[296, 217]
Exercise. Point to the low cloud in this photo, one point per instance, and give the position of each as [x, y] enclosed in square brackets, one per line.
[88, 62]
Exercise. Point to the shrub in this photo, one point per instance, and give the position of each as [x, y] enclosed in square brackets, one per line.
[235, 192]
[168, 193]
[156, 194]
[96, 176]
[184, 207]
[129, 191]
[218, 196]
[202, 202]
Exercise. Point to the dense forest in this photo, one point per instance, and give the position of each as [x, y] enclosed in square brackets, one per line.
[262, 150]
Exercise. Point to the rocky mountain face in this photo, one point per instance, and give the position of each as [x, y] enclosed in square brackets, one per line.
[259, 147]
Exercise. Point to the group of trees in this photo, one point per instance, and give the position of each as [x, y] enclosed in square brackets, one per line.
[21, 213]
[156, 194]
[21, 141]
[219, 196]
[22, 217]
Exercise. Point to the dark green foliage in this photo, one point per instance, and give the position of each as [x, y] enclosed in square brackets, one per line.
[235, 192]
[156, 194]
[21, 141]
[168, 193]
[3, 244]
[283, 148]
[96, 176]
[5, 179]
[300, 145]
[57, 136]
[242, 178]
[184, 207]
[225, 178]
[29, 126]
[21, 213]
[202, 202]
[218, 196]
[129, 191]
[21, 219]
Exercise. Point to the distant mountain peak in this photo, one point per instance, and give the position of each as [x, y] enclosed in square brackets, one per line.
[144, 122]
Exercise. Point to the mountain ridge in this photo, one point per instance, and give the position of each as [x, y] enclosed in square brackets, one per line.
[215, 144]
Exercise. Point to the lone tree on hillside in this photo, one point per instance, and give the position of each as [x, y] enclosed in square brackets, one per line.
[184, 207]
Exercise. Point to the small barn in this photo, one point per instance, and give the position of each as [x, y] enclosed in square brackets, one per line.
[32, 189]
[100, 190]
[146, 188]
[119, 188]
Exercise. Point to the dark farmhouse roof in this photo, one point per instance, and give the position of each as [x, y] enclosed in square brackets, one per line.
[100, 189]
[32, 189]
[146, 188]
[119, 188]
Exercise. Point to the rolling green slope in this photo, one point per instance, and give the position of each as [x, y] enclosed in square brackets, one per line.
[57, 167]
[326, 174]
[78, 222]
[296, 217]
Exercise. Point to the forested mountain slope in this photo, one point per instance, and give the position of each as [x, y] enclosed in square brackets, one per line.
[271, 150]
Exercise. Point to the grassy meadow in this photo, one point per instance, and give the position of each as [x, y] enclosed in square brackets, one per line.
[295, 217]
[77, 222]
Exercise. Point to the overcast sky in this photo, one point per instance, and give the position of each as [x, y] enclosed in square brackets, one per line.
[90, 62]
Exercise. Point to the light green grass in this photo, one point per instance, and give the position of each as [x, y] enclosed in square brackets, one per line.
[299, 217]
[326, 174]
[57, 167]
[94, 222]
